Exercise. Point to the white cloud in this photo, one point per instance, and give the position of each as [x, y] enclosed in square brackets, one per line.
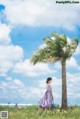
[42, 13]
[57, 65]
[18, 83]
[77, 50]
[8, 56]
[28, 69]
[5, 66]
[73, 81]
[11, 53]
[4, 34]
[12, 90]
[72, 63]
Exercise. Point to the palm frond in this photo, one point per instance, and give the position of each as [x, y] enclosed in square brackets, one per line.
[45, 55]
[60, 39]
[52, 59]
[40, 55]
[73, 46]
[56, 49]
[49, 42]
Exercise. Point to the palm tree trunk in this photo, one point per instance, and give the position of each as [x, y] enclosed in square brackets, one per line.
[64, 87]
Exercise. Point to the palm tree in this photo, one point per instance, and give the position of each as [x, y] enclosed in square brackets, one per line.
[58, 48]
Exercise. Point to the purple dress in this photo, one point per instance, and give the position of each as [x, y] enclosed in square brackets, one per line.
[47, 99]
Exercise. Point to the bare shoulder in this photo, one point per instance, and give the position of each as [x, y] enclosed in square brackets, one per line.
[48, 86]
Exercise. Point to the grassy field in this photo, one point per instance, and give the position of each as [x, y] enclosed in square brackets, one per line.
[31, 112]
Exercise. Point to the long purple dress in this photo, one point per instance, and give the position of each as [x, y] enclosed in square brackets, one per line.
[47, 99]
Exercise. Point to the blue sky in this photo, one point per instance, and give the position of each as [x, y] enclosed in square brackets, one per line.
[23, 25]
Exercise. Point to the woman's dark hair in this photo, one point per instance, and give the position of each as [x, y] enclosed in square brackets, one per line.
[48, 79]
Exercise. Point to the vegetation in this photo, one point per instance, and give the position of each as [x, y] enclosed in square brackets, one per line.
[58, 48]
[31, 112]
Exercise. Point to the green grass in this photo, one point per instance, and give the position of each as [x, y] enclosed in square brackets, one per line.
[31, 112]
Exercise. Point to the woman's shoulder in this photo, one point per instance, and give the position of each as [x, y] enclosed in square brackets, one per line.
[48, 86]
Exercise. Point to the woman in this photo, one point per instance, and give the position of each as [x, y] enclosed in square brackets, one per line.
[47, 100]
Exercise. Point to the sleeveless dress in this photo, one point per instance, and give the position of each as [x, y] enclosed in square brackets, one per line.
[47, 99]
